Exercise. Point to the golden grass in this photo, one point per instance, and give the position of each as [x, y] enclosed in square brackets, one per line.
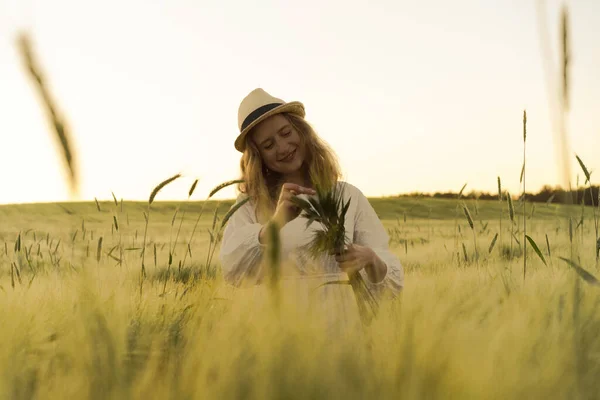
[82, 329]
[59, 126]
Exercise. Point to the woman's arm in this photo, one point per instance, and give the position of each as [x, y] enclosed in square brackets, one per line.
[241, 252]
[385, 269]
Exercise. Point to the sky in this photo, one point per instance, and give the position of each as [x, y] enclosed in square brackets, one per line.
[412, 96]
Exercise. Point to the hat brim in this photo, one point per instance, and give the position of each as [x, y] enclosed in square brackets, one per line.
[294, 107]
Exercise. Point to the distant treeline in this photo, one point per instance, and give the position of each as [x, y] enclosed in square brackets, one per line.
[547, 194]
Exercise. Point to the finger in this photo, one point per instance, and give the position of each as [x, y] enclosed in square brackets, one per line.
[343, 266]
[289, 205]
[308, 191]
[286, 196]
[339, 252]
[348, 266]
[290, 186]
[345, 257]
[297, 188]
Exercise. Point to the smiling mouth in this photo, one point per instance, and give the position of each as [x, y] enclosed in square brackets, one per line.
[288, 157]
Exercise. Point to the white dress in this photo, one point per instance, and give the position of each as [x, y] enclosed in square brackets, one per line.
[241, 255]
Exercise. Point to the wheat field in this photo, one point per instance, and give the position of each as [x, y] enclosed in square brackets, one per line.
[81, 320]
[125, 300]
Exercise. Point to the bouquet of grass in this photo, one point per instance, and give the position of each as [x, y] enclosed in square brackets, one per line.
[329, 210]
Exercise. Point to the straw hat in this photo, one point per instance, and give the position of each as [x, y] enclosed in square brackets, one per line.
[256, 107]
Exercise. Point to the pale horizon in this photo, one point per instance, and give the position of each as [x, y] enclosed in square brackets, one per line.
[412, 97]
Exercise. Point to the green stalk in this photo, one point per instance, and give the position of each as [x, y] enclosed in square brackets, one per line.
[588, 179]
[500, 220]
[329, 210]
[524, 192]
[211, 194]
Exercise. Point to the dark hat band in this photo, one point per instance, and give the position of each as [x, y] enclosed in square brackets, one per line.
[254, 115]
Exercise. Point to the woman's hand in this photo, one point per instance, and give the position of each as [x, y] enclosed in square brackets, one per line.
[285, 210]
[357, 257]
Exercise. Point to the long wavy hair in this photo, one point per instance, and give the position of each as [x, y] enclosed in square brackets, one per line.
[263, 187]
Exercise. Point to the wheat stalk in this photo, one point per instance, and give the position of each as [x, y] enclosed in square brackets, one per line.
[493, 243]
[588, 180]
[211, 194]
[329, 210]
[213, 238]
[558, 97]
[99, 250]
[571, 235]
[472, 226]
[62, 132]
[224, 185]
[153, 195]
[173, 246]
[274, 262]
[190, 193]
[585, 275]
[501, 208]
[160, 186]
[523, 197]
[456, 226]
[511, 214]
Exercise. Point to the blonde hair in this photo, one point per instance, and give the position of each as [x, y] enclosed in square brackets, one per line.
[320, 163]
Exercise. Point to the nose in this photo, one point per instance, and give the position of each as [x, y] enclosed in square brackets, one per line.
[281, 147]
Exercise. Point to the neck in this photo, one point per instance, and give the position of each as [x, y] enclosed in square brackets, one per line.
[298, 177]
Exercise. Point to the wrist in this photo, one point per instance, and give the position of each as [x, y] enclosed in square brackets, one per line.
[374, 258]
[262, 235]
[277, 220]
[376, 269]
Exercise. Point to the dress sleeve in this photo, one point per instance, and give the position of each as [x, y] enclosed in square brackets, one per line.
[369, 231]
[241, 252]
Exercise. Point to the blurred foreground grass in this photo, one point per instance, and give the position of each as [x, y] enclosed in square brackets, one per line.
[76, 327]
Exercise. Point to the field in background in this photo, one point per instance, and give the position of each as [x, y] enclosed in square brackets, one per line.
[87, 314]
[79, 320]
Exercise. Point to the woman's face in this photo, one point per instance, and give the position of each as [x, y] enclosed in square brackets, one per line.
[279, 145]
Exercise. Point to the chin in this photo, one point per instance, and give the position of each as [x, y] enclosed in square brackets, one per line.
[291, 168]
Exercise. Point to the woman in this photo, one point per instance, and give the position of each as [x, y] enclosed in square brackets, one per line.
[282, 157]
